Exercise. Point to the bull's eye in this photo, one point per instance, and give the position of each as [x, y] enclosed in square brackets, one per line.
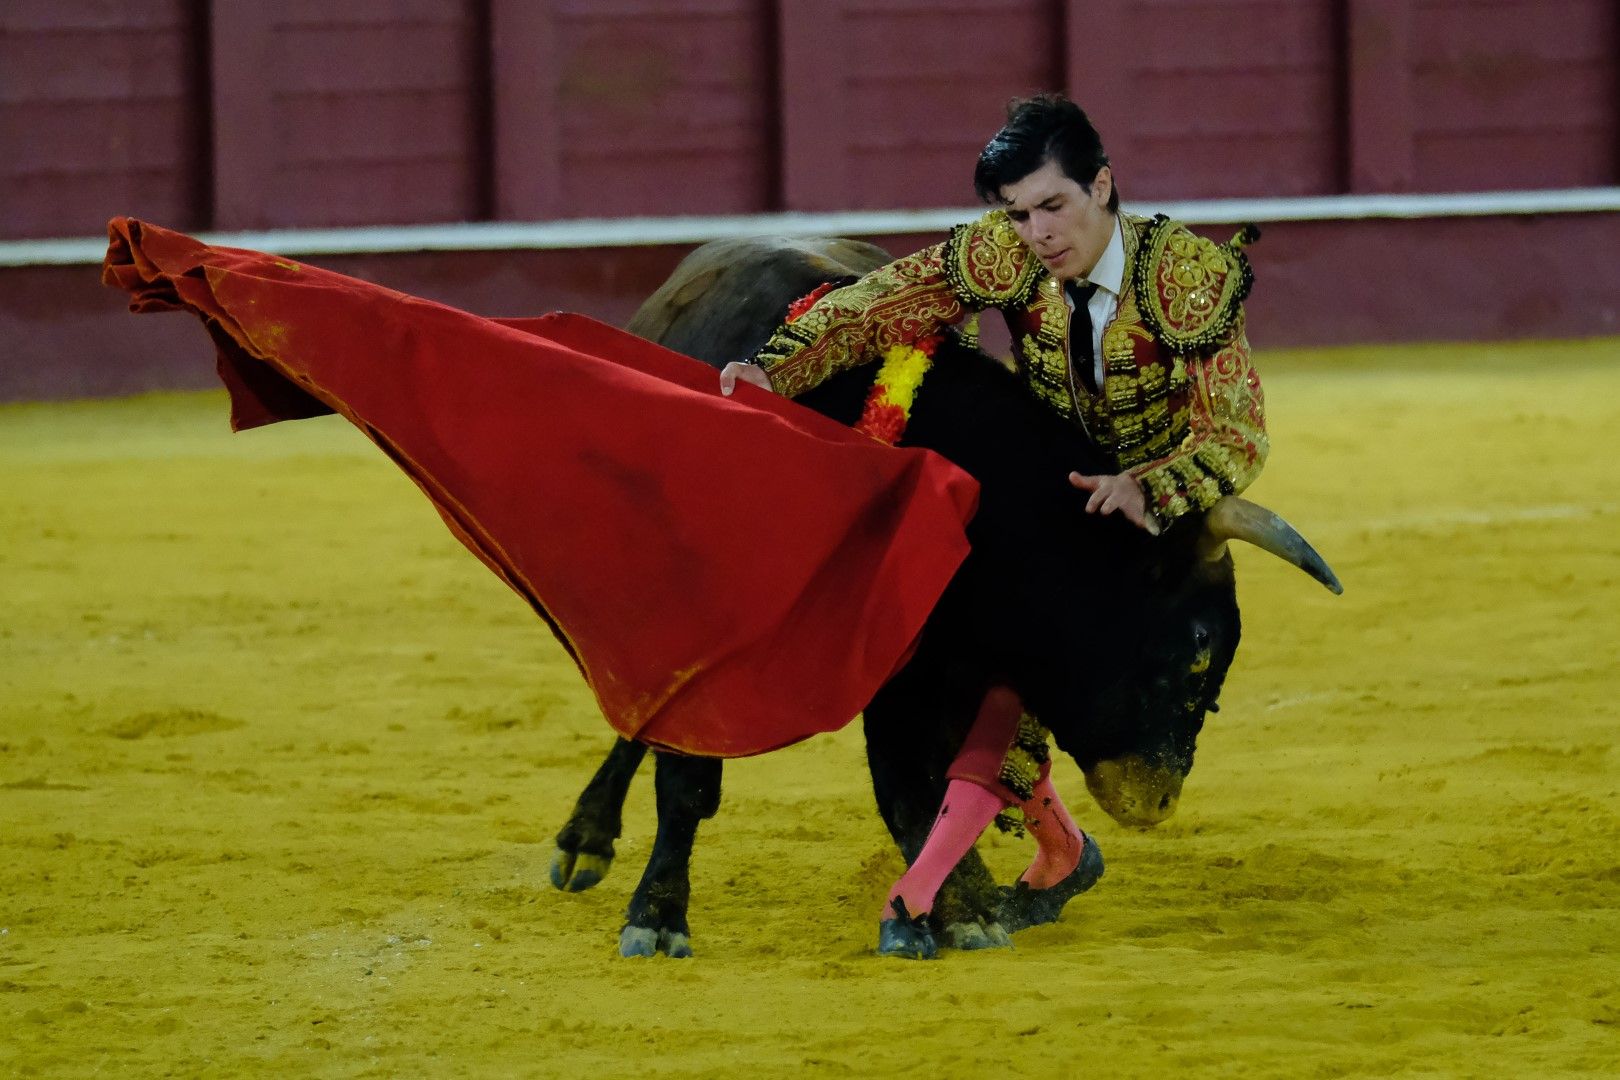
[1201, 636]
[1202, 656]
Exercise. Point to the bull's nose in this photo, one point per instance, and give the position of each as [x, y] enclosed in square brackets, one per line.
[1134, 792]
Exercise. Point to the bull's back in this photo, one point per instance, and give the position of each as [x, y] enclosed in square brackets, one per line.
[726, 298]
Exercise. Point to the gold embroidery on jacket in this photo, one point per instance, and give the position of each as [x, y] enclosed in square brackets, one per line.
[1043, 357]
[987, 264]
[1224, 443]
[1021, 767]
[896, 304]
[1192, 288]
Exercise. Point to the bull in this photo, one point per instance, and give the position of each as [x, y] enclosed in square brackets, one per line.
[1119, 642]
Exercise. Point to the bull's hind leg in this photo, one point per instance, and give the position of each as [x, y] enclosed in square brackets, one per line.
[585, 844]
[688, 790]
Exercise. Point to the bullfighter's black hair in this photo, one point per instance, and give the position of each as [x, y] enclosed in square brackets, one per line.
[1046, 127]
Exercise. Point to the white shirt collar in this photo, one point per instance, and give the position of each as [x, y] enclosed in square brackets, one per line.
[1109, 273]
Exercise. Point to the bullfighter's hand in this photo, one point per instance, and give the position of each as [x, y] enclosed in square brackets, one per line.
[748, 373]
[1117, 493]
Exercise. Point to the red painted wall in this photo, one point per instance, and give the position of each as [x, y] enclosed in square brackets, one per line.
[243, 114]
[345, 112]
[886, 105]
[1507, 94]
[665, 107]
[1214, 99]
[98, 109]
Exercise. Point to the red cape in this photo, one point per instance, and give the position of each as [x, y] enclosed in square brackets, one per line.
[730, 574]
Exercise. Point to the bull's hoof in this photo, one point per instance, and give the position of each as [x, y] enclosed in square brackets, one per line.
[905, 936]
[974, 935]
[646, 941]
[578, 871]
[1023, 907]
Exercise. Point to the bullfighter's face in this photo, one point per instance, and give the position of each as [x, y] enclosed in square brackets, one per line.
[1065, 223]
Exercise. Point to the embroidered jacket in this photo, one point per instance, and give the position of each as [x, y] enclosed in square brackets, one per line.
[1180, 407]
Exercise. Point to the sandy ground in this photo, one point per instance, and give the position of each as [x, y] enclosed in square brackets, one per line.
[280, 764]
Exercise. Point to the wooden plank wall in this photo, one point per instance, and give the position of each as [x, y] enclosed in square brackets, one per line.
[886, 105]
[1211, 99]
[1512, 95]
[347, 112]
[241, 114]
[100, 108]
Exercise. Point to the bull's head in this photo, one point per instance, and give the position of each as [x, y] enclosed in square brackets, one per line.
[1138, 746]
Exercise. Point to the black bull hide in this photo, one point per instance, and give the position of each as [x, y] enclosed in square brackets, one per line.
[1117, 641]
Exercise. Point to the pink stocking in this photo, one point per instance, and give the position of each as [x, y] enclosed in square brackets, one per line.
[1058, 837]
[967, 809]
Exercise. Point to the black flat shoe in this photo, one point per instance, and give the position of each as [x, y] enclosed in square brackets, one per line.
[906, 935]
[1023, 906]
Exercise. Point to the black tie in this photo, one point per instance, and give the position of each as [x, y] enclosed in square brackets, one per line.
[1081, 355]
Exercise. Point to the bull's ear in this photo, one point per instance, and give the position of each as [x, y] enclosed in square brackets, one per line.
[1235, 518]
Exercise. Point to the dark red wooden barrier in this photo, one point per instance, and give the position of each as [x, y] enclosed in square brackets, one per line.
[85, 127]
[237, 114]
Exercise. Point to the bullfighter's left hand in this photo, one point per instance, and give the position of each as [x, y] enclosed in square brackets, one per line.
[1119, 493]
[732, 374]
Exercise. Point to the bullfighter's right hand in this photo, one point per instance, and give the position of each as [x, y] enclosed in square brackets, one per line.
[748, 373]
[1122, 493]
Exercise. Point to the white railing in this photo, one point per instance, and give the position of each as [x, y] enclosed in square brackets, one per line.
[651, 231]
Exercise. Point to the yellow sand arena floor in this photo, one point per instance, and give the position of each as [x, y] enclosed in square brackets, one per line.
[280, 764]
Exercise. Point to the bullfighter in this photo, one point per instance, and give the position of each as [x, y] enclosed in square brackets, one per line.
[1130, 327]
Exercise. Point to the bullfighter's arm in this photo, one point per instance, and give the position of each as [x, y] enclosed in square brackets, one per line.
[981, 265]
[895, 304]
[1192, 291]
[1226, 443]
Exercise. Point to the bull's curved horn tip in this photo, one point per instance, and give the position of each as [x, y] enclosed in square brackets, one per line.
[1314, 565]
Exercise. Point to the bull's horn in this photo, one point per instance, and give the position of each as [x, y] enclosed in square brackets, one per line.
[1234, 518]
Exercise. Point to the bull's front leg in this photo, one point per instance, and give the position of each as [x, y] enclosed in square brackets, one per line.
[585, 843]
[688, 791]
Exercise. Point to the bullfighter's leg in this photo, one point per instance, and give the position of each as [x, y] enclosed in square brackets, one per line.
[966, 810]
[585, 844]
[908, 779]
[1007, 752]
[1058, 840]
[975, 795]
[1069, 862]
[688, 791]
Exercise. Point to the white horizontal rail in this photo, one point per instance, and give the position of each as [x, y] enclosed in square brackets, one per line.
[652, 231]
